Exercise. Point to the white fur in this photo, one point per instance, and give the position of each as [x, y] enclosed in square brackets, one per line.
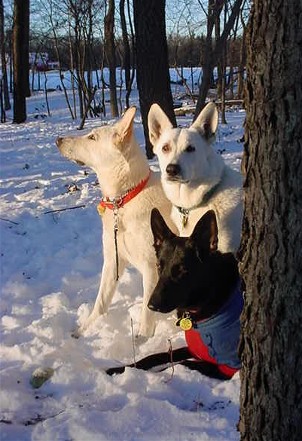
[115, 156]
[201, 171]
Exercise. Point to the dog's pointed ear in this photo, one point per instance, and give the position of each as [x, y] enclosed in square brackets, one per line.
[205, 234]
[159, 228]
[124, 127]
[157, 122]
[207, 121]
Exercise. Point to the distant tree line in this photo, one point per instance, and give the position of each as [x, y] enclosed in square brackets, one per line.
[84, 36]
[182, 50]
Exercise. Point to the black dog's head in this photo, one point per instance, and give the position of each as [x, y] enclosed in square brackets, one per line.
[192, 273]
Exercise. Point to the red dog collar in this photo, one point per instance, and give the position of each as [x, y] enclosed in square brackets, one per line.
[118, 202]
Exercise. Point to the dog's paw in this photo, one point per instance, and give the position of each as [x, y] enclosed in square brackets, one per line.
[115, 370]
[76, 333]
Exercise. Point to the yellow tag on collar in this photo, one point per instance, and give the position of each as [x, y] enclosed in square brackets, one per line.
[185, 324]
[101, 209]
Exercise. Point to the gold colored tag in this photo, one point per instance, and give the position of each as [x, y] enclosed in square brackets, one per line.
[185, 324]
[101, 209]
[184, 220]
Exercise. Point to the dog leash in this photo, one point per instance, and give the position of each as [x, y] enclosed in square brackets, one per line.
[114, 204]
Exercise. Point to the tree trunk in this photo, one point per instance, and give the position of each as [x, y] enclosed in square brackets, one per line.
[110, 54]
[242, 61]
[270, 255]
[21, 58]
[3, 59]
[126, 51]
[153, 77]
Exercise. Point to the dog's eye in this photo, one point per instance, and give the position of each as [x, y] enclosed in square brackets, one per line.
[166, 148]
[190, 149]
[92, 136]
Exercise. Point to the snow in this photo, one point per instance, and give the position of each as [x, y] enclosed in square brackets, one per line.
[50, 267]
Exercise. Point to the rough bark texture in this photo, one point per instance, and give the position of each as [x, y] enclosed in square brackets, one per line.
[110, 54]
[126, 50]
[153, 77]
[20, 55]
[271, 247]
[3, 59]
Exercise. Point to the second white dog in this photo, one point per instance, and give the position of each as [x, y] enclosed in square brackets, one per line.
[194, 177]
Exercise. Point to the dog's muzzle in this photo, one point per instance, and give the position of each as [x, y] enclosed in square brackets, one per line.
[173, 170]
[59, 141]
[174, 174]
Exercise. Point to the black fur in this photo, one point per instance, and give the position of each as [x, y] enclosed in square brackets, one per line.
[193, 276]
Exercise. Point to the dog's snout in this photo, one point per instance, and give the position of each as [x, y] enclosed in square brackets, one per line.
[152, 306]
[59, 141]
[173, 169]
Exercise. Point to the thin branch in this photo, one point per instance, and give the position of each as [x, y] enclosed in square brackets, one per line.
[64, 209]
[170, 352]
[7, 220]
[133, 342]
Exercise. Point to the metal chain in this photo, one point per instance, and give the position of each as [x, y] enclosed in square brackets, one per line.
[115, 230]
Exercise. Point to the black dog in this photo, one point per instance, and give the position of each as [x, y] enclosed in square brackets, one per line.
[203, 285]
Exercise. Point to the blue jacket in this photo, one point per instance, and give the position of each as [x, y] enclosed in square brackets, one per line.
[216, 339]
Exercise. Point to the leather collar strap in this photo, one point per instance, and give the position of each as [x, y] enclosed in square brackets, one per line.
[119, 201]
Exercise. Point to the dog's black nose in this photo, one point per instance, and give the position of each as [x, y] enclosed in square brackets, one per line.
[173, 169]
[153, 306]
[59, 141]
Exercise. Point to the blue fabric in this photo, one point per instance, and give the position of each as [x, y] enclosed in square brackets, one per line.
[221, 332]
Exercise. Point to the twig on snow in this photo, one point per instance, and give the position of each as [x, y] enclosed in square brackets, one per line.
[170, 352]
[133, 342]
[10, 221]
[64, 209]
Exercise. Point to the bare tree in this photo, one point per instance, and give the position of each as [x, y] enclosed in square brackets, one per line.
[242, 62]
[153, 77]
[3, 59]
[212, 54]
[20, 58]
[271, 258]
[126, 50]
[110, 54]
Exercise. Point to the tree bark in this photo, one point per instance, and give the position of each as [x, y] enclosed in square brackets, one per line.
[110, 54]
[21, 58]
[126, 51]
[153, 77]
[270, 254]
[3, 59]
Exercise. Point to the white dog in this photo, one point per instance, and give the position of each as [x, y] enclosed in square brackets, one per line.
[130, 191]
[195, 178]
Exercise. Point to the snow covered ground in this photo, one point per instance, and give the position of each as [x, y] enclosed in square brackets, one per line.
[50, 266]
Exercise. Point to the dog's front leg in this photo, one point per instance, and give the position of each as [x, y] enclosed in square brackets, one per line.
[147, 323]
[105, 293]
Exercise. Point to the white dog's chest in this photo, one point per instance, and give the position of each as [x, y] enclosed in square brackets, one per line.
[228, 221]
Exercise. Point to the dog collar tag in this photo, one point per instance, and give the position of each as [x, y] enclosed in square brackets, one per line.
[184, 220]
[184, 213]
[185, 323]
[101, 209]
